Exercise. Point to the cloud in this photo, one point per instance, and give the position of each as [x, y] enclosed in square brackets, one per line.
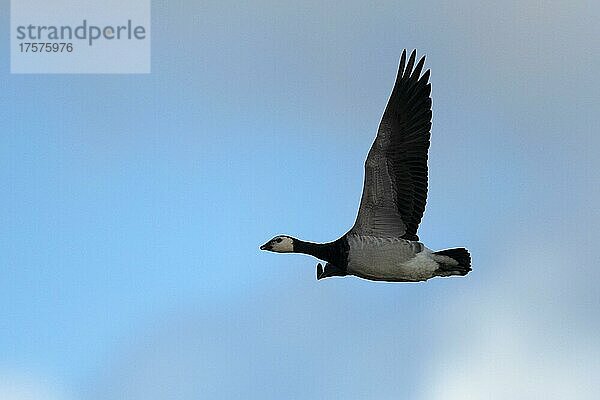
[527, 337]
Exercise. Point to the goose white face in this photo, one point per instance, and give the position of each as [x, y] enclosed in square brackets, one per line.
[279, 244]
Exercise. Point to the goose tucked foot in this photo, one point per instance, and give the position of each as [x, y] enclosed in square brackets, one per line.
[330, 270]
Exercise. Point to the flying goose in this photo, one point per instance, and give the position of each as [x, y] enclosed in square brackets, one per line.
[383, 244]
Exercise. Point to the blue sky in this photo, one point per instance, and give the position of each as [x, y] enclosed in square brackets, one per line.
[133, 208]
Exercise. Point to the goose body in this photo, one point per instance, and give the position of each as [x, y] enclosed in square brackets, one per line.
[383, 244]
[389, 259]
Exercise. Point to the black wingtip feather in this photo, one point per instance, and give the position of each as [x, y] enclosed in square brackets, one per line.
[417, 71]
[405, 70]
[411, 62]
[402, 64]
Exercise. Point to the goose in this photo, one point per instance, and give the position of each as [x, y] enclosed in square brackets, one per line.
[383, 244]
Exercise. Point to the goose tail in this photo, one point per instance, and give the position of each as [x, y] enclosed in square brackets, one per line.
[453, 262]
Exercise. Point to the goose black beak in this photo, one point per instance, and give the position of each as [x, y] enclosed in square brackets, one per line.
[265, 246]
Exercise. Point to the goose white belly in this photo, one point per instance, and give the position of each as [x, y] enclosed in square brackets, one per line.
[389, 259]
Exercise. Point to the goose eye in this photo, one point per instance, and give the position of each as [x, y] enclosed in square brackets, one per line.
[278, 240]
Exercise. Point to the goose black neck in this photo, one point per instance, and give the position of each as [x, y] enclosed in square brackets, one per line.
[322, 251]
[335, 252]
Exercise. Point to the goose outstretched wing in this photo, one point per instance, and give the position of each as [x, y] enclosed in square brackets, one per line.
[395, 186]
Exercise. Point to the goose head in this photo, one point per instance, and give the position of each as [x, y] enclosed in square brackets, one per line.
[279, 244]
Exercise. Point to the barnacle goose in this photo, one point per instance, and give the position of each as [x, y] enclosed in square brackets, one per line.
[383, 244]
